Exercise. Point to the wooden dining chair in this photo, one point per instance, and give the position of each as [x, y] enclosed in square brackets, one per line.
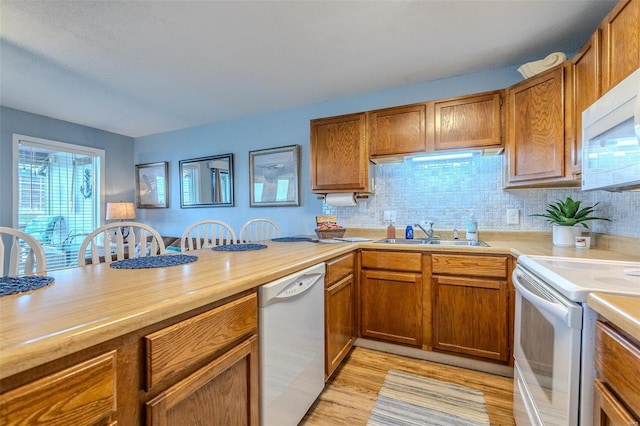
[30, 251]
[207, 233]
[120, 240]
[258, 230]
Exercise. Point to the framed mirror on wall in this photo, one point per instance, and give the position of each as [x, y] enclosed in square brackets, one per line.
[274, 177]
[152, 191]
[207, 181]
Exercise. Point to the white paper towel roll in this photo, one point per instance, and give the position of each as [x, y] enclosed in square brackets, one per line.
[341, 199]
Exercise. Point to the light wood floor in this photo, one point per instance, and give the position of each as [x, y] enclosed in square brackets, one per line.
[349, 396]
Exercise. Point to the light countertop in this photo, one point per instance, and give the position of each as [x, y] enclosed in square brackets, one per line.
[89, 305]
[623, 311]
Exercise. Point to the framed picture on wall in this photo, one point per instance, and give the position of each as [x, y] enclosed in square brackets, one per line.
[152, 188]
[274, 177]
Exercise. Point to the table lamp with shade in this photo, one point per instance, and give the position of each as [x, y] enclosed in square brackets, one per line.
[121, 211]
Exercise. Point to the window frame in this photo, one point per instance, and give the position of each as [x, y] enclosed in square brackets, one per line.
[49, 144]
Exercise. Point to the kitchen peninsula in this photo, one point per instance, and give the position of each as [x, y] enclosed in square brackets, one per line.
[120, 319]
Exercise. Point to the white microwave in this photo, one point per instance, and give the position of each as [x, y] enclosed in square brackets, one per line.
[611, 138]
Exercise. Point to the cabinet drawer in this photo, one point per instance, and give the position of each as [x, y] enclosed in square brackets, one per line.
[392, 260]
[477, 266]
[618, 364]
[84, 394]
[179, 346]
[338, 268]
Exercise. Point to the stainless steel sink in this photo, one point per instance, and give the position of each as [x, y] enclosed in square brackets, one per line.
[433, 241]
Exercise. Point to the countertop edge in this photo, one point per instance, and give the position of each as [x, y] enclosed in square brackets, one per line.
[623, 311]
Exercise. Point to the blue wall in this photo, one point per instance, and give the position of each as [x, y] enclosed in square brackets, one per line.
[273, 130]
[118, 153]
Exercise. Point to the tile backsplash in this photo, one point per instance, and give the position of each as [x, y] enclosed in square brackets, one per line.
[447, 191]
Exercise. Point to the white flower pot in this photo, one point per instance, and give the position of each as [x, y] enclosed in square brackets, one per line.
[565, 236]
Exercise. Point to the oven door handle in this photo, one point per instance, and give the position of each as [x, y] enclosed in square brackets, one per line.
[570, 315]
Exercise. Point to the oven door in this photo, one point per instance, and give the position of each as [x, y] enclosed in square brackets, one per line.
[547, 353]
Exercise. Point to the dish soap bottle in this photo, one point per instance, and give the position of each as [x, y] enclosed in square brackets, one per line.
[408, 232]
[391, 230]
[472, 228]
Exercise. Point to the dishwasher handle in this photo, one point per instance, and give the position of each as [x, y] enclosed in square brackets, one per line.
[294, 285]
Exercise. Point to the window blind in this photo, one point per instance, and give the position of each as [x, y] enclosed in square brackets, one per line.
[58, 196]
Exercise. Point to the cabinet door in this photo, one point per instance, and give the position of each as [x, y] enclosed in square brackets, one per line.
[586, 67]
[621, 35]
[339, 154]
[81, 395]
[339, 330]
[468, 122]
[223, 392]
[607, 410]
[612, 351]
[536, 134]
[391, 306]
[397, 131]
[470, 316]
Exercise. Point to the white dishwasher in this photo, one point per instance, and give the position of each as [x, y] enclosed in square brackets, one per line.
[291, 316]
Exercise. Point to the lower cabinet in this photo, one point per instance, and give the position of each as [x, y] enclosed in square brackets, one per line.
[391, 297]
[84, 394]
[470, 296]
[222, 392]
[339, 311]
[616, 395]
[197, 368]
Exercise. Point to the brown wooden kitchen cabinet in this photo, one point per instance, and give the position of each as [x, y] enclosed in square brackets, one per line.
[391, 296]
[470, 297]
[339, 154]
[621, 42]
[467, 122]
[199, 367]
[84, 394]
[397, 131]
[536, 116]
[616, 393]
[224, 390]
[587, 76]
[339, 311]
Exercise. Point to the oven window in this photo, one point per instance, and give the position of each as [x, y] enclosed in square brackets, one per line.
[537, 339]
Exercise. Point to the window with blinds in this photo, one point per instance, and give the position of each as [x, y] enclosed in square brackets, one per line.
[58, 195]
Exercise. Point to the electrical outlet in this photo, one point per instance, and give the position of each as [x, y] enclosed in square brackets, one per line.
[389, 215]
[513, 216]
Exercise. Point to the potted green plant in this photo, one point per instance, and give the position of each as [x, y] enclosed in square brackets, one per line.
[565, 215]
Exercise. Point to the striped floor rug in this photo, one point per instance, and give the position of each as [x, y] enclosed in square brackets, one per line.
[407, 399]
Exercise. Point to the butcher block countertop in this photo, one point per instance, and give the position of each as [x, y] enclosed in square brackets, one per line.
[89, 305]
[623, 311]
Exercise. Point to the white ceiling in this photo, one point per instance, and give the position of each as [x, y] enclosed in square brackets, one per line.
[145, 67]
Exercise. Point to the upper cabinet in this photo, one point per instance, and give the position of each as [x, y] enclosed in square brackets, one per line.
[340, 154]
[542, 119]
[397, 131]
[535, 121]
[587, 76]
[621, 42]
[467, 122]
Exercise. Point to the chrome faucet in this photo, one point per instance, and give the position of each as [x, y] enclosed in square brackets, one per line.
[429, 231]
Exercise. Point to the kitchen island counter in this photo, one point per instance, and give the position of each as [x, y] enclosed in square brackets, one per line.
[89, 305]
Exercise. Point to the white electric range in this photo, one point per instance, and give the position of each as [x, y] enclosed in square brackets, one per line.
[554, 334]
